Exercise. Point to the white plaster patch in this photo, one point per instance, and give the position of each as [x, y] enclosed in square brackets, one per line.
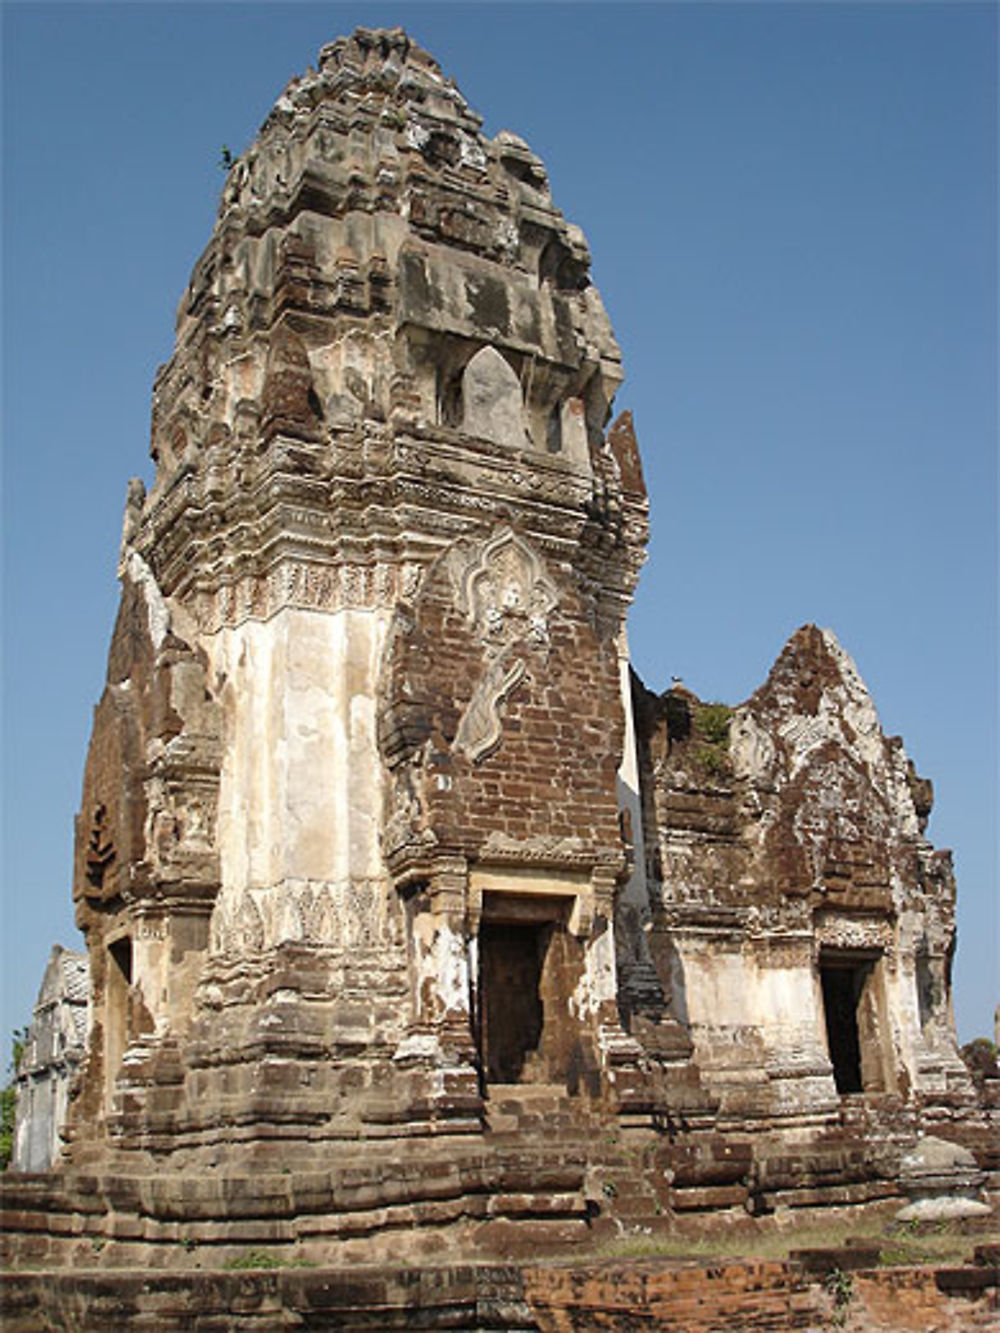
[751, 749]
[418, 1046]
[470, 152]
[452, 968]
[159, 613]
[416, 135]
[942, 1210]
[599, 981]
[864, 718]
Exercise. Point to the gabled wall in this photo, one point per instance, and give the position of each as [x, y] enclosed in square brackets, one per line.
[787, 858]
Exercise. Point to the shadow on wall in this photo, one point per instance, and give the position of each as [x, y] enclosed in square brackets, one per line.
[670, 968]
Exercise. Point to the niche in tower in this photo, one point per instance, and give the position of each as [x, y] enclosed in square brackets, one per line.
[492, 405]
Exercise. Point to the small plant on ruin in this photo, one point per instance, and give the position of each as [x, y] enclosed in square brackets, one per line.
[711, 761]
[713, 723]
[711, 727]
[254, 1259]
[8, 1099]
[8, 1107]
[257, 1258]
[840, 1288]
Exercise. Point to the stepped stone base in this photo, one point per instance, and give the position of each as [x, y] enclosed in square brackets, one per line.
[667, 1296]
[543, 1172]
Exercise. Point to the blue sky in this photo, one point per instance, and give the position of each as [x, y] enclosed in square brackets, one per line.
[792, 212]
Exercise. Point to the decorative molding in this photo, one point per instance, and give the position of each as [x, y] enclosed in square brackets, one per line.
[307, 586]
[837, 931]
[345, 914]
[505, 592]
[550, 852]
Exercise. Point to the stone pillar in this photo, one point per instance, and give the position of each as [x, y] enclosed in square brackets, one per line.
[439, 1048]
[620, 1055]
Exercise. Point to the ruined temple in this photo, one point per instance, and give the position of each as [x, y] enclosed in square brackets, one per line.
[407, 905]
[53, 1050]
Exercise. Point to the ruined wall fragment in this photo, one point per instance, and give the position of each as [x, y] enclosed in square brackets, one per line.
[53, 1051]
[799, 910]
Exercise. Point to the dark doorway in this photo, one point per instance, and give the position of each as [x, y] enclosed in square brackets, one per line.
[841, 989]
[856, 1027]
[116, 1006]
[511, 1013]
[121, 956]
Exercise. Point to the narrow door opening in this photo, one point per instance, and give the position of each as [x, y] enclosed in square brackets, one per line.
[121, 956]
[116, 1001]
[511, 1010]
[840, 1003]
[853, 1005]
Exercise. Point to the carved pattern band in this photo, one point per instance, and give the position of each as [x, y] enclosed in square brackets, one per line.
[306, 586]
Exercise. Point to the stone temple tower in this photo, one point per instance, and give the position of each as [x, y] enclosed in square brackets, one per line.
[351, 835]
[408, 908]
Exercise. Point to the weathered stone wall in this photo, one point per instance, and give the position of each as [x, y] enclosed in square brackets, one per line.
[730, 1296]
[802, 925]
[369, 639]
[52, 1054]
[503, 705]
[146, 866]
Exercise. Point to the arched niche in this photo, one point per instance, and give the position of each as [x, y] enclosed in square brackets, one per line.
[492, 403]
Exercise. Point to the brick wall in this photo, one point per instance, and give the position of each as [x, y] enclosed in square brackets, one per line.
[732, 1297]
[553, 773]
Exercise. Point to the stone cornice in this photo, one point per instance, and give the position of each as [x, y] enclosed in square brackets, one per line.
[300, 521]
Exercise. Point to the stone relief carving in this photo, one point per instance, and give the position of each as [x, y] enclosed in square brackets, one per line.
[507, 598]
[505, 593]
[541, 850]
[844, 932]
[403, 821]
[480, 728]
[247, 930]
[310, 586]
[345, 915]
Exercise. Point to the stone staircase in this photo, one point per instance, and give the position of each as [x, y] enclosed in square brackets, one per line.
[633, 1201]
[620, 1192]
[516, 1111]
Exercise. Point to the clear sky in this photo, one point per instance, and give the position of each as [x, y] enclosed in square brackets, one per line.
[793, 216]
